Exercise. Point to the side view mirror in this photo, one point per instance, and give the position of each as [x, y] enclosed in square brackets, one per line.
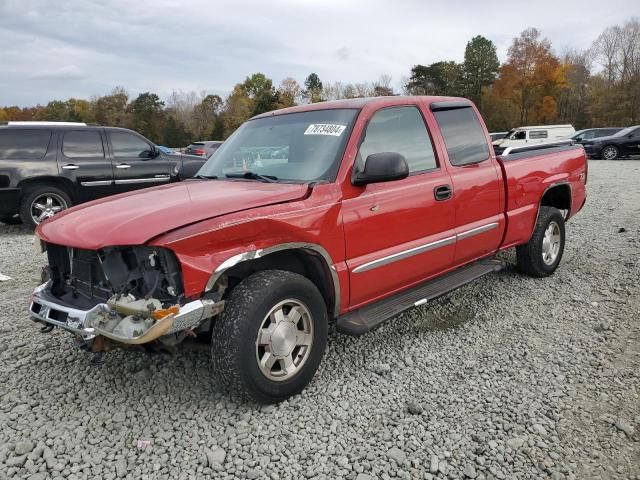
[153, 152]
[382, 167]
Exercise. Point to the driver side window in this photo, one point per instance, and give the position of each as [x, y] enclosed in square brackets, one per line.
[522, 135]
[399, 130]
[127, 145]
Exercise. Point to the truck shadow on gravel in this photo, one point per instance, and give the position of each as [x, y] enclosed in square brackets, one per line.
[17, 229]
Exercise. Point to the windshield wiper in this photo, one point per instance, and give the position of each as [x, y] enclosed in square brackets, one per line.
[206, 177]
[253, 176]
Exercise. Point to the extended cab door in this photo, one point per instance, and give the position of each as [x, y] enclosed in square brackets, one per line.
[135, 165]
[400, 232]
[82, 159]
[478, 188]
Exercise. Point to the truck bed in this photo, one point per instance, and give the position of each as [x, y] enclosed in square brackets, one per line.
[529, 174]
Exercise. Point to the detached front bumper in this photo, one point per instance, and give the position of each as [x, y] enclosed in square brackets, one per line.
[88, 324]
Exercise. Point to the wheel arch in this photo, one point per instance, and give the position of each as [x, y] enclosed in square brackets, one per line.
[58, 182]
[307, 259]
[557, 195]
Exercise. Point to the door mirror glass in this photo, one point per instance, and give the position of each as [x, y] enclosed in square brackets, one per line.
[382, 167]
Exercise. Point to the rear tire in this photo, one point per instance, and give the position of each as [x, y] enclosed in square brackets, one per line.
[40, 202]
[541, 256]
[609, 152]
[271, 336]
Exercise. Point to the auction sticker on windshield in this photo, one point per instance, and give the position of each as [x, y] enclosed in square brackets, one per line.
[325, 129]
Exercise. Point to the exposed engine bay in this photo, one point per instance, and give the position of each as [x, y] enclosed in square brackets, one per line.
[87, 277]
[119, 295]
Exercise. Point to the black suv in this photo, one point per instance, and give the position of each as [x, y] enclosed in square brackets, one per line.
[624, 143]
[46, 167]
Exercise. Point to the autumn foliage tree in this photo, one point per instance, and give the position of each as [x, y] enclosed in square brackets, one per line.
[529, 78]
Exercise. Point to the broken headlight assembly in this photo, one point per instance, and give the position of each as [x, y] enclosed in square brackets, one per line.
[131, 295]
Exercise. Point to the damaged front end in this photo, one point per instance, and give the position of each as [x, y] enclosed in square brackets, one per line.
[118, 296]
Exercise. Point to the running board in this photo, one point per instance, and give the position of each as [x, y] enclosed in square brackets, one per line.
[367, 318]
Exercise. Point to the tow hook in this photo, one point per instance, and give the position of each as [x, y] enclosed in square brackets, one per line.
[47, 328]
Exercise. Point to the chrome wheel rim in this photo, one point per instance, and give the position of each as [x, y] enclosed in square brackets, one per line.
[551, 243]
[609, 153]
[284, 340]
[46, 205]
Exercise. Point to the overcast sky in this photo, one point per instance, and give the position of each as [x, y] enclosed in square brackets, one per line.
[79, 48]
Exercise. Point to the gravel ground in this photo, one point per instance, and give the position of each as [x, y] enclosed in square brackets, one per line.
[511, 377]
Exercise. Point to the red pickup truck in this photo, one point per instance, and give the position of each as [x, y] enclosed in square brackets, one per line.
[349, 211]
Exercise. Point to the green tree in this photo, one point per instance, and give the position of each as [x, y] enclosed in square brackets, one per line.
[238, 108]
[480, 67]
[174, 134]
[111, 110]
[440, 78]
[55, 111]
[204, 117]
[147, 115]
[313, 88]
[261, 93]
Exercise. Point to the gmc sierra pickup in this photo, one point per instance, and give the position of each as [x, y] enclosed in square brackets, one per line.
[349, 211]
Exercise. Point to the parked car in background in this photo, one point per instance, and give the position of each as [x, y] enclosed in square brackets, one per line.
[532, 135]
[625, 142]
[203, 149]
[167, 150]
[262, 256]
[497, 135]
[590, 133]
[46, 167]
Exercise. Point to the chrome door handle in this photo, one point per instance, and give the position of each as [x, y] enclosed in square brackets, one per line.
[123, 165]
[71, 166]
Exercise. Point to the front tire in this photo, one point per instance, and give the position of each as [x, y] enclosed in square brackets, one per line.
[541, 256]
[610, 152]
[270, 339]
[41, 202]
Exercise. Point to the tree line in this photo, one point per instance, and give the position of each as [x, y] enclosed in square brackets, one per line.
[596, 87]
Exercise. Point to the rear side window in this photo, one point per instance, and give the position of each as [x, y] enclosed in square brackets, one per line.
[82, 144]
[463, 136]
[24, 144]
[127, 144]
[399, 130]
[533, 134]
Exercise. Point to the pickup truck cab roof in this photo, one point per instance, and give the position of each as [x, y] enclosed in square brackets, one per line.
[359, 103]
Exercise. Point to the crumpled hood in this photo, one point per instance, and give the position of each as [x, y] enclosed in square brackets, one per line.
[136, 217]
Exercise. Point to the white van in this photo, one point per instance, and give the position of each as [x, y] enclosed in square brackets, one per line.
[521, 136]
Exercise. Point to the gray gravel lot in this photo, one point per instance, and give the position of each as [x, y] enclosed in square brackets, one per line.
[511, 377]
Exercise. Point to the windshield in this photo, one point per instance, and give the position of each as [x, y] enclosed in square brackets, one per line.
[510, 133]
[578, 134]
[298, 147]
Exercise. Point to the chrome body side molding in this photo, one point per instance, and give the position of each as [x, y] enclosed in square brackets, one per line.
[424, 248]
[477, 230]
[404, 254]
